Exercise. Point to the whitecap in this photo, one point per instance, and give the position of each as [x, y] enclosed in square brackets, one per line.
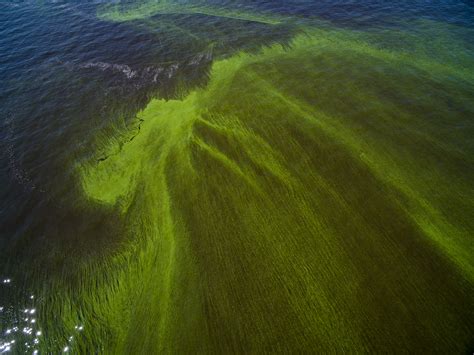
[103, 66]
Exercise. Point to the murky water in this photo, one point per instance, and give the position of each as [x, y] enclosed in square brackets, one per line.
[189, 176]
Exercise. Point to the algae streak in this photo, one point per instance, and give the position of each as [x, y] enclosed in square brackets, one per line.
[120, 13]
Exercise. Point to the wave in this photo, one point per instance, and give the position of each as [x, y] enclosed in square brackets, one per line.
[148, 74]
[123, 68]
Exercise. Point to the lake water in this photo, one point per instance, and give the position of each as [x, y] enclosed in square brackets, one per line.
[237, 176]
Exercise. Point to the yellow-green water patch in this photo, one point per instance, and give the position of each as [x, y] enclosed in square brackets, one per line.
[312, 197]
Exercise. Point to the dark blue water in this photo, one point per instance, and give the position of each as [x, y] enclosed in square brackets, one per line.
[67, 76]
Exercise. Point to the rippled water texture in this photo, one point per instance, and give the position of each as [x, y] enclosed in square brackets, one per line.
[190, 176]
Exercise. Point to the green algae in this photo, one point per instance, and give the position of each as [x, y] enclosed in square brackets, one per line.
[317, 197]
[311, 197]
[143, 10]
[119, 172]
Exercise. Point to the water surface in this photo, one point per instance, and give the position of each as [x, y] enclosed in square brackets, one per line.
[190, 176]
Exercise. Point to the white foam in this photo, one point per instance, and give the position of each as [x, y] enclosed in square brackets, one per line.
[103, 66]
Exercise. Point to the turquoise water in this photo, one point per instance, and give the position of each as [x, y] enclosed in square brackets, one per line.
[188, 176]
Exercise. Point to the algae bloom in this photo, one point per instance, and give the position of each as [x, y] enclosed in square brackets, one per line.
[309, 193]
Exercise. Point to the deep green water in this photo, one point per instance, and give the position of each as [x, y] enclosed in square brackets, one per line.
[188, 176]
